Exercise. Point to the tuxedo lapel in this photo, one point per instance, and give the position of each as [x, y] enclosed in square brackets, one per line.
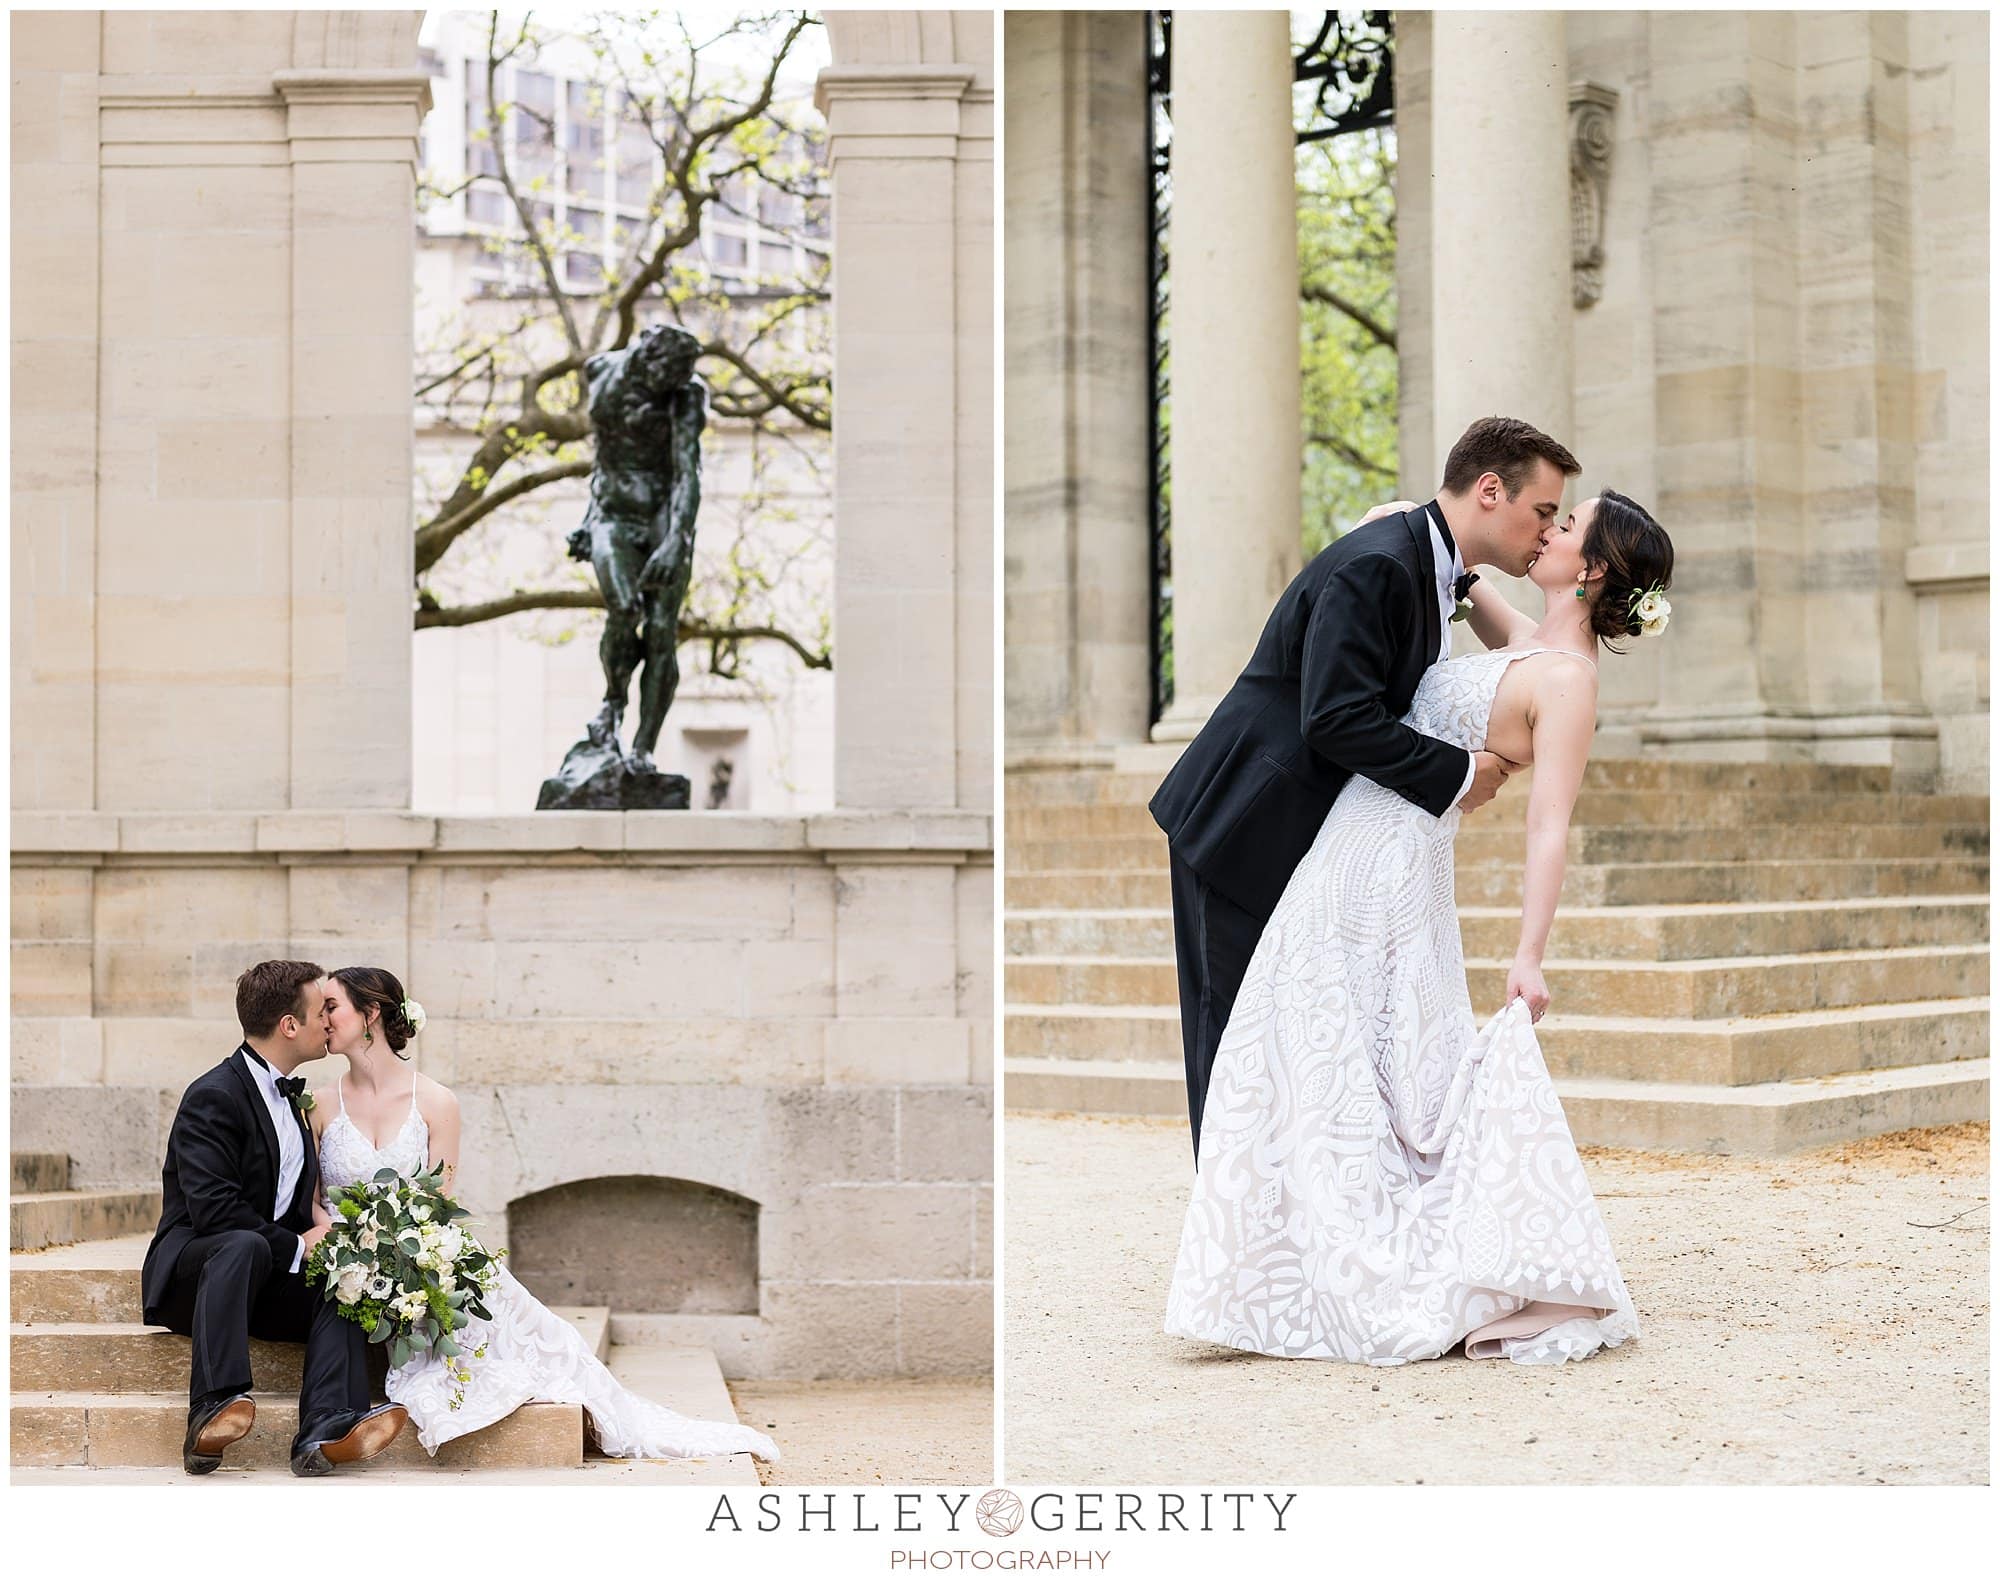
[260, 1121]
[1419, 523]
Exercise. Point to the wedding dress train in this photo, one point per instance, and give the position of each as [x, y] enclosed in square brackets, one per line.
[531, 1354]
[1379, 1178]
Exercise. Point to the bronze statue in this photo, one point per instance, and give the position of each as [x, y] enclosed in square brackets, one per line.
[648, 409]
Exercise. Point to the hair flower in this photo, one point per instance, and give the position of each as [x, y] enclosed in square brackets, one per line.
[413, 1015]
[1651, 610]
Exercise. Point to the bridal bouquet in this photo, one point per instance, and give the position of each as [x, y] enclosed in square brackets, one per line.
[400, 1265]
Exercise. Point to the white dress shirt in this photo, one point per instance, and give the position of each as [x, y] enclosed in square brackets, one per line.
[291, 1142]
[1449, 567]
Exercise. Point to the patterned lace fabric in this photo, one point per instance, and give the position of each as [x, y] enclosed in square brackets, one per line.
[531, 1353]
[1380, 1177]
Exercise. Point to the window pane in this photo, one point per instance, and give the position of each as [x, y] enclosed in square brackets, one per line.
[479, 156]
[488, 205]
[534, 133]
[584, 139]
[728, 249]
[636, 155]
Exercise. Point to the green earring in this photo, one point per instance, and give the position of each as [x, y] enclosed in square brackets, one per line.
[1579, 590]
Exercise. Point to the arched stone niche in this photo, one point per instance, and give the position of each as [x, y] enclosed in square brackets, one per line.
[638, 1244]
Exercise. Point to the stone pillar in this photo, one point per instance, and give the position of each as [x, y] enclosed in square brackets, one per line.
[54, 333]
[351, 140]
[1784, 388]
[909, 146]
[1483, 197]
[1233, 333]
[1079, 596]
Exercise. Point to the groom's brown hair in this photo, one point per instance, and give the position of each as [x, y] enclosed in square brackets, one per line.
[266, 991]
[1507, 447]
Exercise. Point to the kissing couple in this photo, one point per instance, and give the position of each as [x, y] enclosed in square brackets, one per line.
[252, 1164]
[1379, 1176]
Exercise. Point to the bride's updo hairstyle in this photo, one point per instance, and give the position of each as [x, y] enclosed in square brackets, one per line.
[379, 988]
[1636, 556]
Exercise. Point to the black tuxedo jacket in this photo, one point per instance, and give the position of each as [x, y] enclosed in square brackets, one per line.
[221, 1174]
[1333, 672]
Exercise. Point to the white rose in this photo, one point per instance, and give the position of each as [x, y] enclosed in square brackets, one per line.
[413, 1013]
[447, 1281]
[368, 1239]
[350, 1282]
[1650, 607]
[451, 1243]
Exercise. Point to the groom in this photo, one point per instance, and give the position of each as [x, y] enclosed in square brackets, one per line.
[1335, 668]
[236, 1223]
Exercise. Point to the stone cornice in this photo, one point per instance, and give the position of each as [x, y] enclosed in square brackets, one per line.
[1948, 566]
[829, 837]
[354, 87]
[892, 82]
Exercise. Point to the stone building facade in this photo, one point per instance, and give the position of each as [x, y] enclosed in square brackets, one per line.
[1779, 343]
[776, 1025]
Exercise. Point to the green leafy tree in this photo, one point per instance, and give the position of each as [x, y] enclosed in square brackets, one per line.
[1347, 286]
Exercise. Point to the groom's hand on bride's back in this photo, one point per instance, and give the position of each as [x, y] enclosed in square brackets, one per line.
[310, 1239]
[1489, 771]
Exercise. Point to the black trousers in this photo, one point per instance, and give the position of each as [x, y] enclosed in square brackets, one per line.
[1213, 940]
[226, 1288]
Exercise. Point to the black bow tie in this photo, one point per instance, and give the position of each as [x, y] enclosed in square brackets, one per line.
[291, 1088]
[1461, 588]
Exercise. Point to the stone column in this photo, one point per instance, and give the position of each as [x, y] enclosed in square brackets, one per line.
[1079, 597]
[351, 138]
[1233, 334]
[1484, 264]
[893, 146]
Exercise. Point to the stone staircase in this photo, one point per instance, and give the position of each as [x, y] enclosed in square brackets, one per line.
[1749, 958]
[94, 1387]
[44, 1211]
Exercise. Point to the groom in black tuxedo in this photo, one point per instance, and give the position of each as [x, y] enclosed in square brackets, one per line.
[236, 1222]
[1334, 670]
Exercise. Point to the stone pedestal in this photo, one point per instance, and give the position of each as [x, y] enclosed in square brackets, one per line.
[1233, 334]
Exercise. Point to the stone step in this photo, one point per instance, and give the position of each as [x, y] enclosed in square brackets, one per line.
[115, 1429]
[1484, 843]
[1618, 845]
[39, 1172]
[1663, 933]
[46, 1220]
[1694, 988]
[1607, 885]
[1611, 808]
[1720, 1052]
[1760, 1119]
[1149, 765]
[1616, 885]
[129, 1358]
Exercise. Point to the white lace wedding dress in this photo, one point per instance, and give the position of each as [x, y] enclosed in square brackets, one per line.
[1379, 1178]
[531, 1354]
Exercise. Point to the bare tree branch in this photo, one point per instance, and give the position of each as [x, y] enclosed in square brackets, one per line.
[1348, 452]
[1327, 296]
[432, 616]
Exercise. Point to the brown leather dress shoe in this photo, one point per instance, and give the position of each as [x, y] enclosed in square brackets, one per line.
[354, 1437]
[212, 1429]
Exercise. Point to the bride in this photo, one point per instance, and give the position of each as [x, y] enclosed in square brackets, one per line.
[1379, 1178]
[385, 1113]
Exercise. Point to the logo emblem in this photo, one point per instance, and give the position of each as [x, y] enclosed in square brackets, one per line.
[998, 1512]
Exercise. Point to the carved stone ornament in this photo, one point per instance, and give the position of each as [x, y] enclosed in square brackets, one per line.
[1590, 113]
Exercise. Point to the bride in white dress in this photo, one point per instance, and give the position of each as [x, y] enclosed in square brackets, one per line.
[384, 1113]
[1379, 1176]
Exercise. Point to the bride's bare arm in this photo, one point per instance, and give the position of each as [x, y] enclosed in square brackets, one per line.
[1493, 619]
[1562, 716]
[440, 1108]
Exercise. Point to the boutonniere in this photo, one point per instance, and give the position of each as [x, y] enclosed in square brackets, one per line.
[303, 1102]
[1461, 590]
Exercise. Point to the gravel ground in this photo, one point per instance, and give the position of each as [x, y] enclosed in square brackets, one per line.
[869, 1432]
[1795, 1326]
